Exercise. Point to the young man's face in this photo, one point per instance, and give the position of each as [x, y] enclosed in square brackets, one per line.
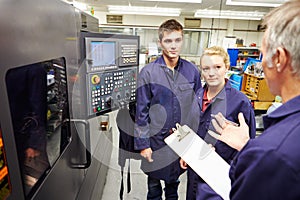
[171, 44]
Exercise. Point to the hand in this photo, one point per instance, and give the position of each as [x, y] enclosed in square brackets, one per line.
[183, 164]
[31, 153]
[211, 146]
[147, 154]
[234, 136]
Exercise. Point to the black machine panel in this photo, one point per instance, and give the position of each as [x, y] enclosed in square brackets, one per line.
[111, 65]
[128, 52]
[111, 89]
[39, 105]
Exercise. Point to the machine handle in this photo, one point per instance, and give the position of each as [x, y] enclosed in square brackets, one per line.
[88, 145]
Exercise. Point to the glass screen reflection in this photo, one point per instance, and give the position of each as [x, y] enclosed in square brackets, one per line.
[39, 106]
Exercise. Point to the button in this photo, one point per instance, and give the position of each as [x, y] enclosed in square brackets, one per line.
[95, 79]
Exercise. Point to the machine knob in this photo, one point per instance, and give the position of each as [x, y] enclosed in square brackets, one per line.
[118, 96]
[108, 102]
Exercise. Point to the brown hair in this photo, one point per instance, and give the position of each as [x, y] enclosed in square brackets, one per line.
[169, 26]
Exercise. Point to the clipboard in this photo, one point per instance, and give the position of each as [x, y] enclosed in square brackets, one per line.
[212, 168]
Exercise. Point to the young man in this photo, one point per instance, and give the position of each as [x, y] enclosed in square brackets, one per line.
[217, 96]
[268, 166]
[165, 93]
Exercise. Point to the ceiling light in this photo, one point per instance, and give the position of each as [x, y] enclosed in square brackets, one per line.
[179, 1]
[258, 3]
[227, 14]
[138, 10]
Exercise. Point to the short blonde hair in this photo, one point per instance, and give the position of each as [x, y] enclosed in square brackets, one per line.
[216, 50]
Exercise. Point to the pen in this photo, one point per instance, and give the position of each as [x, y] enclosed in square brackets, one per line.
[227, 121]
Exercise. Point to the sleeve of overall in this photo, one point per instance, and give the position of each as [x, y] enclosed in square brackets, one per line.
[246, 108]
[259, 174]
[250, 120]
[143, 96]
[204, 191]
[249, 116]
[198, 84]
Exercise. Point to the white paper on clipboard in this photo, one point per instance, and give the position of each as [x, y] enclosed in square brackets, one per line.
[212, 168]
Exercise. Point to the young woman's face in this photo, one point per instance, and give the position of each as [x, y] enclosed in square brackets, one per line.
[171, 44]
[213, 70]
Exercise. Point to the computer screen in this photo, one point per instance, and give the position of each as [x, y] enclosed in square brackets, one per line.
[103, 53]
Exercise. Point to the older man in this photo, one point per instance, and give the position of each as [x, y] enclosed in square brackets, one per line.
[268, 167]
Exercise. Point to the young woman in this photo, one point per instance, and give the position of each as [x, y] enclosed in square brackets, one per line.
[217, 96]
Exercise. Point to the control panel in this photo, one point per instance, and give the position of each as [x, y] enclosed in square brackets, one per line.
[128, 54]
[111, 65]
[111, 90]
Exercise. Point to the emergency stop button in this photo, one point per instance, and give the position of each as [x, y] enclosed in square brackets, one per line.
[95, 79]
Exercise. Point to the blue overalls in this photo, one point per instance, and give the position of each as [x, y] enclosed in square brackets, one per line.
[164, 98]
[230, 102]
[268, 167]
